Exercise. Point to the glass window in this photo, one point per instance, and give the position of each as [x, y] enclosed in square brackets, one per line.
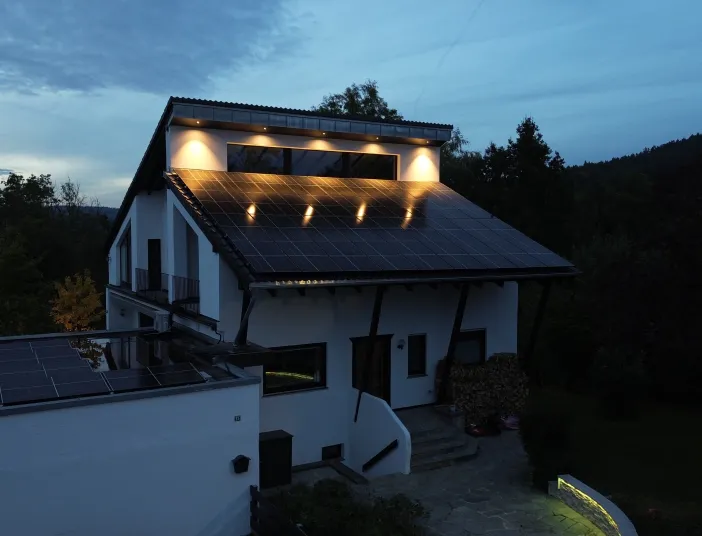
[372, 166]
[316, 163]
[125, 258]
[470, 347]
[253, 159]
[293, 368]
[285, 161]
[417, 355]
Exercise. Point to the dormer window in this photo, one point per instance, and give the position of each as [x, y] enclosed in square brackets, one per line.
[288, 161]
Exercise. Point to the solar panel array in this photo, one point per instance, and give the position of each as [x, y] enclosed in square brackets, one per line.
[46, 370]
[293, 224]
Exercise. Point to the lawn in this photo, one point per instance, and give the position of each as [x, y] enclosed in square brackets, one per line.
[651, 466]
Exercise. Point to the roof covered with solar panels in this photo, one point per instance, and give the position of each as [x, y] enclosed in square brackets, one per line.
[51, 370]
[292, 229]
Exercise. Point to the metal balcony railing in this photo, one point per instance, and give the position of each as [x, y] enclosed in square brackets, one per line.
[186, 293]
[152, 286]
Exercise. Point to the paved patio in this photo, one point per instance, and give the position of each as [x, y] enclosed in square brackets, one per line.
[489, 495]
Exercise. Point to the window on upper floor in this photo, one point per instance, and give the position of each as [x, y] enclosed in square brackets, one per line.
[125, 258]
[287, 161]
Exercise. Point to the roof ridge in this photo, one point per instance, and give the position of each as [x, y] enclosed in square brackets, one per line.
[299, 111]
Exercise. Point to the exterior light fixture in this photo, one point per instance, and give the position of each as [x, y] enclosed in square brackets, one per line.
[309, 211]
[265, 128]
[361, 211]
[324, 133]
[377, 138]
[251, 211]
[198, 122]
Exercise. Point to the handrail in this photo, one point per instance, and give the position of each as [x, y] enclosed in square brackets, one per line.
[380, 456]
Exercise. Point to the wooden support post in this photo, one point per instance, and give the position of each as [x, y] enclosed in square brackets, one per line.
[455, 330]
[375, 320]
[538, 319]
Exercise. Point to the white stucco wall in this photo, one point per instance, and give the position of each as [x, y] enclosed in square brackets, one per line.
[209, 261]
[207, 149]
[114, 261]
[144, 468]
[376, 427]
[316, 417]
[150, 211]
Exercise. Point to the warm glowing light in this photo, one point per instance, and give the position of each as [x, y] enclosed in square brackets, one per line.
[408, 214]
[309, 211]
[361, 211]
[377, 138]
[251, 211]
[265, 128]
[324, 133]
[198, 122]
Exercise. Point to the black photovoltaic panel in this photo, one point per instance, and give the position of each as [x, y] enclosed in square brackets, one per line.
[23, 379]
[130, 380]
[58, 363]
[21, 365]
[16, 354]
[29, 394]
[293, 224]
[84, 388]
[14, 345]
[51, 342]
[55, 351]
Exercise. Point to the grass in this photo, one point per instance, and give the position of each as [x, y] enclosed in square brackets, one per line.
[650, 466]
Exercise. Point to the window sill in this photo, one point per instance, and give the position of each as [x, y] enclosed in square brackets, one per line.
[410, 376]
[296, 391]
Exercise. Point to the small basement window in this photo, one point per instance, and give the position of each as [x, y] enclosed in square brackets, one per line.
[470, 347]
[294, 368]
[417, 355]
[332, 452]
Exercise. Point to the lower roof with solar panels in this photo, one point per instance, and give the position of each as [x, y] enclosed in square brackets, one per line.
[296, 229]
[51, 370]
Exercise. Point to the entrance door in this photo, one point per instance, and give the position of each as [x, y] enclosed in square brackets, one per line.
[154, 261]
[379, 363]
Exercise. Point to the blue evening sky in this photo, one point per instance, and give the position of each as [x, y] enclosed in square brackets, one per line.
[83, 82]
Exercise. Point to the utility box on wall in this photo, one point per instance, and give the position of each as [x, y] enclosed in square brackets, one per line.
[275, 455]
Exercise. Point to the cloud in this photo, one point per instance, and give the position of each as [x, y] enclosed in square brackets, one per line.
[4, 171]
[159, 46]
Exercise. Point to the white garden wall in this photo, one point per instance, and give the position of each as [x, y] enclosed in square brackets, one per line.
[145, 467]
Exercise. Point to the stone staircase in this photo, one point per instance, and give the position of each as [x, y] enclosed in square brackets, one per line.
[436, 441]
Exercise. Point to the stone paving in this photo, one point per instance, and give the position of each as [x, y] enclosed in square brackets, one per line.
[489, 495]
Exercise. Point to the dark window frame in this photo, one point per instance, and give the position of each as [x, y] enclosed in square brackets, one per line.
[125, 245]
[479, 334]
[423, 372]
[322, 366]
[345, 158]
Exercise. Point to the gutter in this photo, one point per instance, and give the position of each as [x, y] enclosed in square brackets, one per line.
[310, 283]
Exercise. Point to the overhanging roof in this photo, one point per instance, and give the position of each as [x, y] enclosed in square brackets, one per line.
[285, 231]
[199, 113]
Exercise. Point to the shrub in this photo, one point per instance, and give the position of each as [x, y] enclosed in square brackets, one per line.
[331, 508]
[545, 432]
[497, 387]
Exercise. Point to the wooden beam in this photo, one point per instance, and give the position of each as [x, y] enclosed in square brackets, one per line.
[455, 329]
[538, 319]
[372, 335]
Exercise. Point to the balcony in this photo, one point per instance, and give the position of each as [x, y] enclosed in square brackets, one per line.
[186, 293]
[153, 286]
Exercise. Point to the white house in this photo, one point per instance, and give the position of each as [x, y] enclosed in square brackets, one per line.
[314, 271]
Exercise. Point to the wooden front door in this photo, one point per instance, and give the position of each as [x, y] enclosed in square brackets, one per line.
[378, 361]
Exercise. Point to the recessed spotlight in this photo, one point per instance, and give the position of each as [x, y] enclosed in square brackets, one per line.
[427, 141]
[198, 122]
[265, 128]
[324, 133]
[377, 138]
[309, 211]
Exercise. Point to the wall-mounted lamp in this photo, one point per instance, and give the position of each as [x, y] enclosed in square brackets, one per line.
[401, 344]
[241, 464]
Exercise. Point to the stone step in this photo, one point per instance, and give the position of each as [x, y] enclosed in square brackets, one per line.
[434, 434]
[430, 449]
[463, 454]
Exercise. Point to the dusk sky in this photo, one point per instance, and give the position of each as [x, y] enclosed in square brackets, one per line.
[83, 82]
